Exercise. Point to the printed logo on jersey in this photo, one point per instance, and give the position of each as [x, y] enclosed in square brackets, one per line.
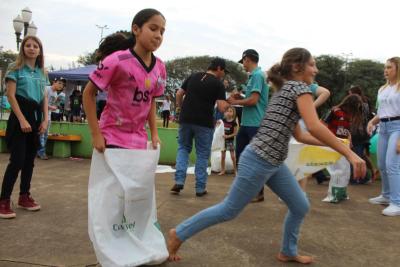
[147, 83]
[100, 67]
[140, 96]
[131, 77]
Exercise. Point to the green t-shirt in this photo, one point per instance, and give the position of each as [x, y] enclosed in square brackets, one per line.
[313, 87]
[253, 115]
[30, 83]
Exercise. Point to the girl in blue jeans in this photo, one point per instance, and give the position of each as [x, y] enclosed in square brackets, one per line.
[262, 160]
[388, 118]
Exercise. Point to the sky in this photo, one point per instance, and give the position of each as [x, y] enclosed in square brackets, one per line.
[352, 29]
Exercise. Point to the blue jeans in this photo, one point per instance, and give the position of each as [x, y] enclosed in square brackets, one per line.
[253, 173]
[202, 139]
[43, 140]
[243, 138]
[389, 160]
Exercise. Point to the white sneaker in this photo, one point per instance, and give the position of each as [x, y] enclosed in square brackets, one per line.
[380, 200]
[392, 210]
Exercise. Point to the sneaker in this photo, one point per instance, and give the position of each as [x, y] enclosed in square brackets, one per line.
[380, 200]
[200, 194]
[25, 201]
[176, 189]
[258, 198]
[44, 157]
[392, 210]
[5, 209]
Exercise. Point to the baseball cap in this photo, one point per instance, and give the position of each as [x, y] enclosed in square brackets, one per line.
[218, 62]
[249, 53]
[60, 79]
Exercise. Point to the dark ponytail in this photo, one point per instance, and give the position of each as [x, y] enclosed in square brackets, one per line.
[112, 43]
[353, 106]
[119, 41]
[280, 72]
[274, 76]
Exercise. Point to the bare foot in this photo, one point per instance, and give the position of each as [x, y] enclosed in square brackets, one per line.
[300, 259]
[173, 245]
[221, 173]
[375, 174]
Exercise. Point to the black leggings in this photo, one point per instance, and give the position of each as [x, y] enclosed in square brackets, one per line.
[165, 116]
[22, 156]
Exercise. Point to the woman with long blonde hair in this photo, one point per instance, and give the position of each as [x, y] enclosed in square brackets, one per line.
[388, 118]
[25, 84]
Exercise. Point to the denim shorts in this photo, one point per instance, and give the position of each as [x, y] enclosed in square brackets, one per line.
[229, 145]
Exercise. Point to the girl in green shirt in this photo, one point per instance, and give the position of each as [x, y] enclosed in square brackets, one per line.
[25, 83]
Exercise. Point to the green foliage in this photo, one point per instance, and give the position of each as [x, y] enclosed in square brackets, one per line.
[179, 69]
[338, 76]
[87, 59]
[368, 74]
[331, 76]
[6, 57]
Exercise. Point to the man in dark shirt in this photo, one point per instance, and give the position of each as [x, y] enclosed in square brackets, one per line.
[201, 91]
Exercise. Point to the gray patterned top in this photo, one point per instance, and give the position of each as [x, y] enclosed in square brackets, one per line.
[280, 119]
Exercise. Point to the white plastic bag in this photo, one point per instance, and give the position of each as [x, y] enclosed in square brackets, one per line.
[216, 161]
[218, 142]
[340, 176]
[304, 160]
[123, 224]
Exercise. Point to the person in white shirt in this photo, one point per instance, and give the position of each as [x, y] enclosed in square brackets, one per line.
[166, 111]
[52, 106]
[388, 118]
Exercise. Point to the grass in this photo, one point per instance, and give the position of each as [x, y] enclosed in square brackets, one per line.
[170, 125]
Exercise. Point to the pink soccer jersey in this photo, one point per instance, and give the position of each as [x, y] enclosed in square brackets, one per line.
[131, 86]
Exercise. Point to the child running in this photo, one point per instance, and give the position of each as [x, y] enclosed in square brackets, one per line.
[133, 77]
[230, 130]
[262, 160]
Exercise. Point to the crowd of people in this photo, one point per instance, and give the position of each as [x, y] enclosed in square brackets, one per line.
[262, 135]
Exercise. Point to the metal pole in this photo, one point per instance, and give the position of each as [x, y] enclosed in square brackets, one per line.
[18, 34]
[26, 25]
[101, 30]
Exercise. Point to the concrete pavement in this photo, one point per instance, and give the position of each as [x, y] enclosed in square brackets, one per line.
[352, 233]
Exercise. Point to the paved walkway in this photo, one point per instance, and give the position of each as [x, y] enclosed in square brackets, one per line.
[352, 233]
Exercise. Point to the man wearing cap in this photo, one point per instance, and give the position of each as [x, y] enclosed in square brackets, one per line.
[254, 103]
[201, 91]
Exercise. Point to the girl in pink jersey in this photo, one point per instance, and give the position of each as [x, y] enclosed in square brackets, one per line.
[133, 77]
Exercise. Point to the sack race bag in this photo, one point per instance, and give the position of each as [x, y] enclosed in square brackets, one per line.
[216, 161]
[304, 160]
[218, 142]
[123, 224]
[340, 176]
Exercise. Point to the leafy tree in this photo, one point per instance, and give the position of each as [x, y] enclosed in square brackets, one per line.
[179, 69]
[368, 75]
[87, 59]
[332, 76]
[6, 57]
[338, 76]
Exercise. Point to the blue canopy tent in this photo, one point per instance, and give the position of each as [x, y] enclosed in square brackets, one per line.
[74, 75]
[76, 79]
